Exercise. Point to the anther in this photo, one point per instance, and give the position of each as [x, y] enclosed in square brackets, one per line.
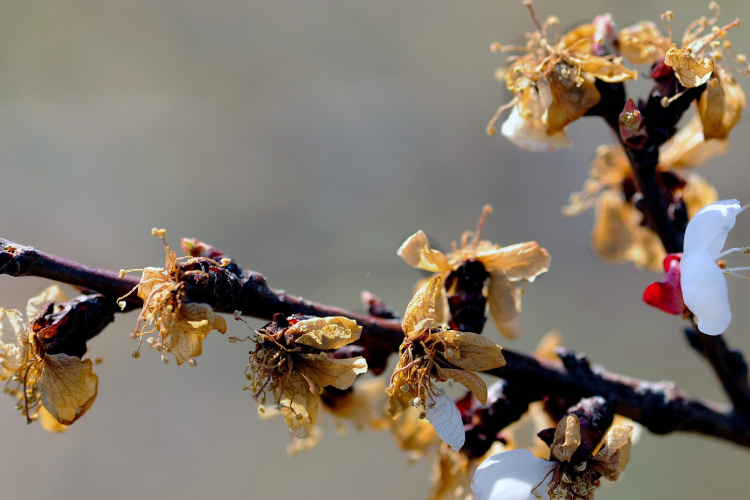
[192, 362]
[422, 415]
[581, 467]
[164, 359]
[136, 354]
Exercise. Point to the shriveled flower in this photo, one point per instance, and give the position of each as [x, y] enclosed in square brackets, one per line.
[554, 83]
[181, 323]
[509, 268]
[429, 354]
[704, 286]
[54, 387]
[619, 234]
[291, 357]
[570, 473]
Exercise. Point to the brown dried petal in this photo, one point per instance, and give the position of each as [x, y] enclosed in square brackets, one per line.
[615, 452]
[504, 299]
[417, 253]
[547, 346]
[325, 333]
[451, 475]
[691, 72]
[323, 371]
[525, 127]
[605, 69]
[398, 399]
[468, 379]
[689, 148]
[720, 108]
[420, 312]
[522, 261]
[68, 387]
[476, 353]
[441, 301]
[294, 395]
[50, 294]
[296, 445]
[570, 100]
[184, 344]
[567, 438]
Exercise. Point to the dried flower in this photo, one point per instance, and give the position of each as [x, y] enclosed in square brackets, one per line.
[56, 388]
[181, 323]
[643, 43]
[703, 281]
[509, 268]
[554, 84]
[431, 353]
[289, 357]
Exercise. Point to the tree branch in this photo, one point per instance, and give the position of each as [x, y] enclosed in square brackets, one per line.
[660, 407]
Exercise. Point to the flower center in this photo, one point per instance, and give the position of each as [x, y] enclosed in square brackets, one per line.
[571, 480]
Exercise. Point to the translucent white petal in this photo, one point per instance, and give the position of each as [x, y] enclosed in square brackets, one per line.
[446, 419]
[704, 291]
[511, 476]
[709, 228]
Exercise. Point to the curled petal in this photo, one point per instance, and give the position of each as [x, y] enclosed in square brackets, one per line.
[50, 294]
[299, 406]
[704, 290]
[417, 253]
[398, 399]
[504, 299]
[606, 69]
[689, 70]
[689, 148]
[68, 387]
[420, 312]
[476, 353]
[14, 341]
[567, 438]
[468, 379]
[642, 43]
[720, 108]
[615, 452]
[511, 476]
[49, 423]
[525, 128]
[323, 371]
[522, 261]
[709, 228]
[445, 418]
[571, 99]
[331, 332]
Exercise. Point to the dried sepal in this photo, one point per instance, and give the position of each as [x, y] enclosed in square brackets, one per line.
[417, 253]
[475, 353]
[324, 371]
[420, 312]
[68, 387]
[691, 71]
[567, 438]
[326, 333]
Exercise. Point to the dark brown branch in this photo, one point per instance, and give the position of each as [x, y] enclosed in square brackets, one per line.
[660, 407]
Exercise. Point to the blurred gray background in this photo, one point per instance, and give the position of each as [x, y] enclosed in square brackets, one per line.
[307, 140]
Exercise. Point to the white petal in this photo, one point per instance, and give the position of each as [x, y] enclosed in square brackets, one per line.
[709, 228]
[446, 419]
[528, 132]
[704, 290]
[511, 476]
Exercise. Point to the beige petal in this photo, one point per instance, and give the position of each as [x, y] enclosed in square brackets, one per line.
[398, 399]
[152, 277]
[413, 434]
[14, 341]
[504, 300]
[441, 300]
[48, 422]
[697, 193]
[468, 379]
[720, 107]
[50, 294]
[615, 452]
[450, 478]
[688, 148]
[202, 318]
[476, 353]
[299, 405]
[570, 99]
[642, 43]
[324, 371]
[610, 70]
[68, 387]
[366, 405]
[546, 347]
[417, 253]
[420, 313]
[689, 70]
[184, 344]
[296, 445]
[522, 261]
[525, 127]
[567, 438]
[326, 333]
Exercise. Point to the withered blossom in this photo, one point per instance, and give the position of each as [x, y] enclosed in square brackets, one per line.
[429, 354]
[54, 387]
[619, 233]
[181, 323]
[291, 361]
[553, 81]
[509, 268]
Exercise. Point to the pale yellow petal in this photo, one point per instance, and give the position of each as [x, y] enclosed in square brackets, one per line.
[296, 445]
[610, 70]
[642, 43]
[615, 453]
[570, 99]
[50, 294]
[720, 107]
[299, 406]
[567, 438]
[398, 399]
[413, 434]
[504, 300]
[468, 379]
[325, 333]
[324, 371]
[417, 253]
[689, 148]
[475, 352]
[442, 310]
[547, 346]
[451, 475]
[420, 313]
[68, 386]
[184, 344]
[365, 406]
[689, 70]
[14, 341]
[522, 261]
[48, 422]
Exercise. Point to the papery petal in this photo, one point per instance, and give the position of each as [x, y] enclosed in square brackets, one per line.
[697, 193]
[324, 371]
[14, 341]
[50, 294]
[709, 228]
[476, 353]
[68, 386]
[511, 476]
[642, 43]
[326, 333]
[689, 148]
[296, 445]
[468, 379]
[567, 438]
[420, 312]
[606, 69]
[417, 253]
[524, 127]
[365, 405]
[571, 99]
[297, 401]
[689, 70]
[704, 290]
[720, 107]
[444, 416]
[398, 399]
[49, 423]
[522, 261]
[413, 434]
[504, 300]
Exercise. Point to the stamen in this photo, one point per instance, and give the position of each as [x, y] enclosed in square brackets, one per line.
[668, 16]
[486, 210]
[744, 250]
[733, 272]
[491, 125]
[527, 3]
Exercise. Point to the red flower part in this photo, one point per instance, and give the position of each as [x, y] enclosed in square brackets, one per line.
[667, 295]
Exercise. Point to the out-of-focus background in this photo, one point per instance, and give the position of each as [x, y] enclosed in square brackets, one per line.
[308, 140]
